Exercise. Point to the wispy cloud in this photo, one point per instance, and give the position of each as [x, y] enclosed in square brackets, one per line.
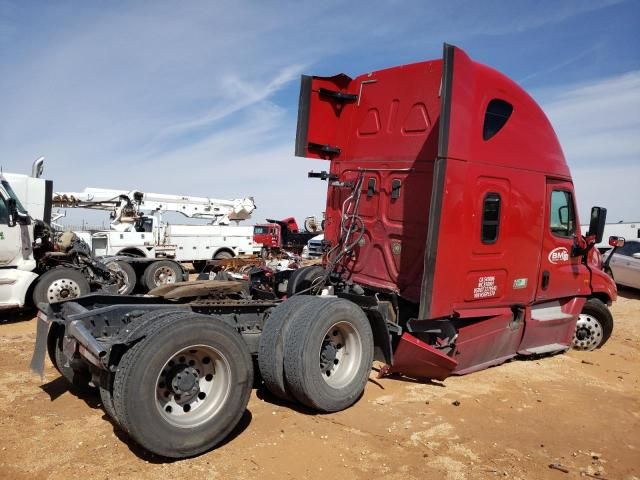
[598, 124]
[201, 98]
[238, 94]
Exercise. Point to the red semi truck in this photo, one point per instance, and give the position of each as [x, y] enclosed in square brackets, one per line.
[453, 245]
[283, 234]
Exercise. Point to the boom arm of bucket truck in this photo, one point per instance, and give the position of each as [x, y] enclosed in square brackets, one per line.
[127, 206]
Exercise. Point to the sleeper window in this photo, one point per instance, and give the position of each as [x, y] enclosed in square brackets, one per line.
[490, 218]
[496, 116]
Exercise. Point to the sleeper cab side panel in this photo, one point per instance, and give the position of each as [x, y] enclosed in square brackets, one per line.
[523, 151]
[474, 274]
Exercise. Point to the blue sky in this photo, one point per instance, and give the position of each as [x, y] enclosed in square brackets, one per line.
[200, 97]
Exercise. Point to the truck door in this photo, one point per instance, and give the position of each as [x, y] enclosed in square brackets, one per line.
[563, 281]
[562, 274]
[10, 243]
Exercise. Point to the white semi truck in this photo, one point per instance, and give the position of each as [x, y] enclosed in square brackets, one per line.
[39, 266]
[137, 228]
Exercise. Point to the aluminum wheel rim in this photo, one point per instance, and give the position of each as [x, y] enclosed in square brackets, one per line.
[588, 334]
[164, 275]
[63, 289]
[212, 383]
[340, 354]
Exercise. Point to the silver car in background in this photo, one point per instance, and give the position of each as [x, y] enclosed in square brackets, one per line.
[625, 264]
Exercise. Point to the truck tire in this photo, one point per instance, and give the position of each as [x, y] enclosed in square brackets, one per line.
[147, 322]
[594, 326]
[60, 284]
[161, 272]
[222, 255]
[328, 351]
[302, 279]
[181, 390]
[106, 397]
[77, 379]
[128, 274]
[271, 348]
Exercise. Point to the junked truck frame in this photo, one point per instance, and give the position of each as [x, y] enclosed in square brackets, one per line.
[38, 264]
[451, 224]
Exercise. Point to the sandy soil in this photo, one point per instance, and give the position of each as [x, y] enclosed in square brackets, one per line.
[581, 410]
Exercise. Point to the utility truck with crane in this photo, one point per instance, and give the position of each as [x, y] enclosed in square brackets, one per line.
[453, 245]
[39, 264]
[137, 228]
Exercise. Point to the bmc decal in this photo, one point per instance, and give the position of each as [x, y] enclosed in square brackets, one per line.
[559, 255]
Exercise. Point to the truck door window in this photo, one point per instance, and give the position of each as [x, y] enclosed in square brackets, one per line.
[4, 213]
[490, 217]
[562, 220]
[496, 116]
[12, 194]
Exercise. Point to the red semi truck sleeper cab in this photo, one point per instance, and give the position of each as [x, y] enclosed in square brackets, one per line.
[450, 191]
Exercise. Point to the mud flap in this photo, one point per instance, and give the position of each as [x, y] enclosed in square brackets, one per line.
[414, 358]
[40, 349]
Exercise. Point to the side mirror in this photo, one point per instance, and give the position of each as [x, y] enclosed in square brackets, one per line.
[596, 225]
[563, 215]
[616, 242]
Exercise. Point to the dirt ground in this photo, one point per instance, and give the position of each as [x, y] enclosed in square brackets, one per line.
[580, 410]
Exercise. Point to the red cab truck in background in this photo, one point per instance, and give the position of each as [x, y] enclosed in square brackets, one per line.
[284, 234]
[453, 245]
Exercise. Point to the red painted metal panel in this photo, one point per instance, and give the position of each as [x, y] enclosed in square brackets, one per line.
[553, 329]
[390, 139]
[508, 267]
[567, 275]
[527, 141]
[414, 358]
[489, 341]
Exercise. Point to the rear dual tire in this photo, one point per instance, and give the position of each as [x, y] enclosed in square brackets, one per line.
[181, 390]
[303, 280]
[271, 349]
[317, 351]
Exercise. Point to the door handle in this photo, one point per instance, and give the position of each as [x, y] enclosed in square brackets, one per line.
[545, 280]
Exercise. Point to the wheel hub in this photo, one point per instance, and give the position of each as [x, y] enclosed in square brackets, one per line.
[588, 333]
[164, 275]
[328, 355]
[184, 380]
[582, 333]
[62, 289]
[192, 386]
[340, 354]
